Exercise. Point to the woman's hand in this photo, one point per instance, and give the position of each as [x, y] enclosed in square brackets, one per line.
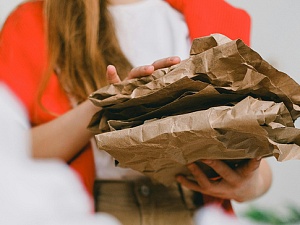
[246, 182]
[141, 71]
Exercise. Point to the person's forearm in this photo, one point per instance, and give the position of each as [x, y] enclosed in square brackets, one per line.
[65, 136]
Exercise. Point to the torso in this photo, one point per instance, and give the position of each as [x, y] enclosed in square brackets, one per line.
[147, 30]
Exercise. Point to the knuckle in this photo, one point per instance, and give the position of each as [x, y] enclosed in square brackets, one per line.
[205, 186]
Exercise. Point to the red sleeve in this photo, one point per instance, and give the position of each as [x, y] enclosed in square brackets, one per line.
[214, 16]
[23, 60]
[22, 52]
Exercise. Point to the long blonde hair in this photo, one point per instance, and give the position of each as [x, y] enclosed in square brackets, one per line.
[81, 43]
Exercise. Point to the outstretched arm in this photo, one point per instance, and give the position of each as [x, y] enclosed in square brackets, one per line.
[66, 135]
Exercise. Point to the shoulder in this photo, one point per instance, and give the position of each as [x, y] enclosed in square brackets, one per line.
[29, 7]
[25, 13]
[164, 8]
[25, 23]
[23, 49]
[177, 4]
[24, 29]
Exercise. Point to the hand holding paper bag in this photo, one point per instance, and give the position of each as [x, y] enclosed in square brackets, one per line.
[224, 102]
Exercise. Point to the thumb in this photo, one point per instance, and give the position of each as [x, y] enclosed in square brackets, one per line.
[112, 75]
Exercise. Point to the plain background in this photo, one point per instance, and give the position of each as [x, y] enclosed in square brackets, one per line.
[275, 36]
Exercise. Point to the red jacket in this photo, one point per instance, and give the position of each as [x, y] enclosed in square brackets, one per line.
[23, 60]
[205, 17]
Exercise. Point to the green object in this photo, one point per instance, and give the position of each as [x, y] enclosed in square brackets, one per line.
[272, 217]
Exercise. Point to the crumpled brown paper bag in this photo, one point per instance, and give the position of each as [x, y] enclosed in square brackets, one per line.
[223, 102]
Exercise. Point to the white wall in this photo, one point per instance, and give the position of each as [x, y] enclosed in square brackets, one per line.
[275, 36]
[5, 7]
[275, 32]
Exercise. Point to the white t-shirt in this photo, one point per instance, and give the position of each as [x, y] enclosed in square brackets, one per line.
[147, 30]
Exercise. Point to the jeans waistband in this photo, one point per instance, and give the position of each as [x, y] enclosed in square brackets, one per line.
[144, 187]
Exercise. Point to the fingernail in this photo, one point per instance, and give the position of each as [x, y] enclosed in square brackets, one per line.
[171, 59]
[191, 167]
[207, 161]
[148, 67]
[178, 179]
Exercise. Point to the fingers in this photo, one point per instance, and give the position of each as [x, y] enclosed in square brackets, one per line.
[200, 177]
[112, 75]
[223, 170]
[240, 183]
[192, 185]
[166, 62]
[202, 183]
[251, 166]
[141, 71]
[233, 175]
[149, 69]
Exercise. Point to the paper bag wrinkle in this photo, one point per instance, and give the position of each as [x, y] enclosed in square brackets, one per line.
[201, 45]
[284, 135]
[287, 152]
[220, 38]
[223, 102]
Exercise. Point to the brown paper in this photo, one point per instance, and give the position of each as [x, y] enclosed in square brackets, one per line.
[223, 102]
